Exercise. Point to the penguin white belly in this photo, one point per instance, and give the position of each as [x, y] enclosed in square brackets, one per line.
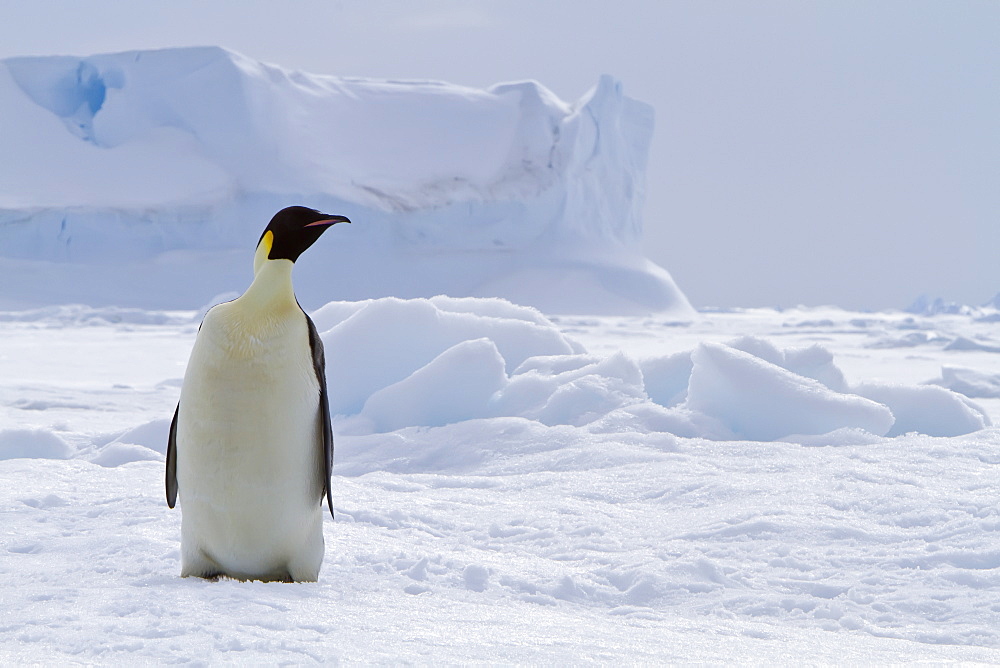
[249, 456]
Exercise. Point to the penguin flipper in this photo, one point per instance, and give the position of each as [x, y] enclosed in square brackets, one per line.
[172, 460]
[319, 366]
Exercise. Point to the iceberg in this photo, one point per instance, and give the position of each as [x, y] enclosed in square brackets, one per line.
[143, 179]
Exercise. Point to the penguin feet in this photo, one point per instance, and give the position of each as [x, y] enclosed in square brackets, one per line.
[196, 563]
[215, 576]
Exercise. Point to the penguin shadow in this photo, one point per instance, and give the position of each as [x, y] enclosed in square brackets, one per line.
[220, 576]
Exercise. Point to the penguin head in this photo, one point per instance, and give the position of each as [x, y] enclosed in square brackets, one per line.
[290, 232]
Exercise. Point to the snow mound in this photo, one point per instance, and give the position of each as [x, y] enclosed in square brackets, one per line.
[115, 165]
[815, 362]
[761, 401]
[969, 382]
[574, 391]
[965, 343]
[383, 342]
[118, 453]
[456, 385]
[750, 389]
[429, 362]
[141, 443]
[926, 409]
[33, 444]
[394, 364]
[152, 435]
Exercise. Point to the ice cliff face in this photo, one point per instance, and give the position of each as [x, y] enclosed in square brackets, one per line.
[163, 166]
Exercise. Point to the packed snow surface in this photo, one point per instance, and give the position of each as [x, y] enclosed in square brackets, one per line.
[121, 183]
[750, 486]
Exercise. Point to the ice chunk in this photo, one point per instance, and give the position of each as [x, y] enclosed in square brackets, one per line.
[666, 378]
[969, 382]
[456, 385]
[118, 453]
[758, 400]
[387, 340]
[926, 409]
[550, 365]
[575, 396]
[814, 362]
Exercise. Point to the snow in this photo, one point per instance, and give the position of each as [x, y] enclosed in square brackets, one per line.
[515, 487]
[115, 167]
[17, 443]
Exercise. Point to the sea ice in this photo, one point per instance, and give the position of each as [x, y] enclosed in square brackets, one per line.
[573, 520]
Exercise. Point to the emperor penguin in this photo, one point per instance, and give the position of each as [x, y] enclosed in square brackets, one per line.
[250, 448]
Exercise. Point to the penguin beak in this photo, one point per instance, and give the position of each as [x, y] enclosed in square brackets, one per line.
[332, 220]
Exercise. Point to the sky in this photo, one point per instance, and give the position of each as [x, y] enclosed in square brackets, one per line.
[811, 152]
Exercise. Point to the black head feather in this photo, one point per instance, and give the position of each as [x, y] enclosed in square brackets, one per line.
[296, 228]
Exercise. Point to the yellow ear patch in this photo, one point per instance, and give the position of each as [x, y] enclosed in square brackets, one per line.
[263, 250]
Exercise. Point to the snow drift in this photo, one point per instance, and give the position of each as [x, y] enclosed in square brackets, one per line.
[148, 175]
[396, 365]
[454, 360]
